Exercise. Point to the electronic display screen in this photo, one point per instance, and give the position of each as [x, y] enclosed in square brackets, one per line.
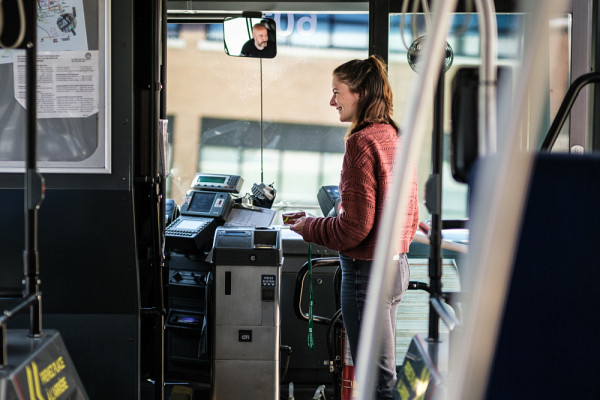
[202, 202]
[211, 179]
[191, 225]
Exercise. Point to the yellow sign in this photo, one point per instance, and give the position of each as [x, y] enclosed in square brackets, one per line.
[411, 387]
[53, 385]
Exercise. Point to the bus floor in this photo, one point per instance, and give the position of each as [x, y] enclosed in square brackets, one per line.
[199, 391]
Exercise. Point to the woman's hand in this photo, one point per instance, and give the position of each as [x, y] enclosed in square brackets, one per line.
[297, 227]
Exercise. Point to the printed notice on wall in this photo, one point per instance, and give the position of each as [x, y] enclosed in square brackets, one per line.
[67, 84]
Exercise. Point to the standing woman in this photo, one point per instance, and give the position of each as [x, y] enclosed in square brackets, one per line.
[362, 96]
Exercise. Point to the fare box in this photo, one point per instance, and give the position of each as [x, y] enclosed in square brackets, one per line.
[291, 218]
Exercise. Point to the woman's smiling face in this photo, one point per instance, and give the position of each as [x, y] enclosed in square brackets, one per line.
[344, 100]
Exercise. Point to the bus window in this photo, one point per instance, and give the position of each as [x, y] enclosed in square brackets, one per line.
[214, 103]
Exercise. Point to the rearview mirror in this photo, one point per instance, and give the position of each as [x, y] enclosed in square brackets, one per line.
[250, 37]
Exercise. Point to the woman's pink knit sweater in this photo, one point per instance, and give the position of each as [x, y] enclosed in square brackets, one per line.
[367, 171]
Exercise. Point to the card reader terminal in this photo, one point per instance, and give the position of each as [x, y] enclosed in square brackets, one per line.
[217, 182]
[202, 203]
[189, 232]
[201, 213]
[329, 200]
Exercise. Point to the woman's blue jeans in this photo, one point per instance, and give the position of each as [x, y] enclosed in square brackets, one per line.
[355, 281]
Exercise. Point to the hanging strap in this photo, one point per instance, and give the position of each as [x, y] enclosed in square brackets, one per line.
[310, 338]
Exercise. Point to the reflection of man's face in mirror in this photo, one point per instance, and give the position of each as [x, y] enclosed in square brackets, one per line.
[260, 35]
[258, 45]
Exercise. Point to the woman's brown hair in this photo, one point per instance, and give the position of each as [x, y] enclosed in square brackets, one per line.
[369, 79]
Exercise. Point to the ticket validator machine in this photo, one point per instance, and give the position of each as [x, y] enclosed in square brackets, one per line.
[248, 263]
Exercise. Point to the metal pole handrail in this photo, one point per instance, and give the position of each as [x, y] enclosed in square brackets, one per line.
[498, 201]
[392, 219]
[25, 302]
[7, 316]
[34, 182]
[488, 30]
[566, 105]
[298, 288]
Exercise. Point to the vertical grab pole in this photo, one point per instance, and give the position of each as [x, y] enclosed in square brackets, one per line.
[158, 104]
[488, 30]
[434, 186]
[500, 187]
[413, 128]
[262, 173]
[34, 182]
